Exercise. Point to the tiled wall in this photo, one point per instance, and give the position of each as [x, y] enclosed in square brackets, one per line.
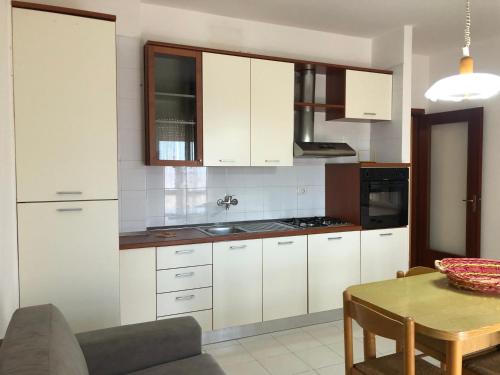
[153, 196]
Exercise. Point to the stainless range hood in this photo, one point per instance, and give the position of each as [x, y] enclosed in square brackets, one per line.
[304, 145]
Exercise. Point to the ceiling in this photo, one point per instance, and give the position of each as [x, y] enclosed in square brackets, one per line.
[438, 23]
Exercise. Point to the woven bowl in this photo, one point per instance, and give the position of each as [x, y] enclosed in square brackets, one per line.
[481, 275]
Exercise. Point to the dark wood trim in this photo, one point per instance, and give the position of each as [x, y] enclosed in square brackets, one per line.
[416, 114]
[63, 10]
[150, 51]
[343, 192]
[319, 107]
[424, 255]
[150, 240]
[322, 67]
[367, 164]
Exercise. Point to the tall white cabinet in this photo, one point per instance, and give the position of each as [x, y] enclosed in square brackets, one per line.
[66, 161]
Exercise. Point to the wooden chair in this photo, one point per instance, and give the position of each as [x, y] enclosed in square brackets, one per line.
[487, 363]
[415, 271]
[375, 323]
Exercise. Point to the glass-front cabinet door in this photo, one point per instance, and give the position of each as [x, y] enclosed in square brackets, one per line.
[173, 106]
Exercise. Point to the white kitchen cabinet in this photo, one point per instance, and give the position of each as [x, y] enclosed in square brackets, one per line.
[65, 107]
[237, 283]
[333, 260]
[184, 278]
[68, 256]
[272, 111]
[226, 110]
[184, 256]
[383, 253]
[184, 301]
[284, 277]
[204, 318]
[138, 285]
[368, 95]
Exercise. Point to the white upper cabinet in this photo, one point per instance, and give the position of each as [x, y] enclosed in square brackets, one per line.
[333, 266]
[65, 107]
[284, 277]
[368, 95]
[272, 87]
[226, 110]
[383, 253]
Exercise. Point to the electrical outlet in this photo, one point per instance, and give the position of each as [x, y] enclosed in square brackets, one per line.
[301, 190]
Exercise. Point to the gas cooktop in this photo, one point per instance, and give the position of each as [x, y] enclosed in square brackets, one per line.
[315, 221]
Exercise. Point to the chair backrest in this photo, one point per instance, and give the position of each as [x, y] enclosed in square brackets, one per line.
[415, 271]
[376, 323]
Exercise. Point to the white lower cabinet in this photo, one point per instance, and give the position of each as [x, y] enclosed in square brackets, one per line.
[383, 253]
[237, 283]
[333, 260]
[184, 301]
[138, 285]
[183, 278]
[204, 318]
[284, 277]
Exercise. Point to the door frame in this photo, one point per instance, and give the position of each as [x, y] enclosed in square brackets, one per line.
[420, 181]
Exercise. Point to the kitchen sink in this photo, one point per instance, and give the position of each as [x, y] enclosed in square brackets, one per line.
[221, 230]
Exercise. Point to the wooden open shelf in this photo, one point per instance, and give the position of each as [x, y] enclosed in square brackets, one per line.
[319, 107]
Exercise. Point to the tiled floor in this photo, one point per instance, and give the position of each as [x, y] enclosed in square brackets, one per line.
[317, 349]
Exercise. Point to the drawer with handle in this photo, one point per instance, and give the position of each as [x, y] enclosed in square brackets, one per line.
[183, 278]
[183, 301]
[183, 256]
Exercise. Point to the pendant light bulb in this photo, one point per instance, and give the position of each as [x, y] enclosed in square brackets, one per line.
[467, 85]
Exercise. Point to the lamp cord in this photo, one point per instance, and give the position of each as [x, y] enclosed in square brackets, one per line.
[467, 28]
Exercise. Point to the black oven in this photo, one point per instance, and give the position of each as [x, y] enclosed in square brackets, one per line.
[384, 197]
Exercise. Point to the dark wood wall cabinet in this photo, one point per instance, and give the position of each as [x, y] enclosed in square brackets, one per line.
[173, 98]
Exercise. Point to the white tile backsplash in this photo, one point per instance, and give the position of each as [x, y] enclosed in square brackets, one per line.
[155, 196]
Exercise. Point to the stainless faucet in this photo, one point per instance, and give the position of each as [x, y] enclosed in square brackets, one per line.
[227, 201]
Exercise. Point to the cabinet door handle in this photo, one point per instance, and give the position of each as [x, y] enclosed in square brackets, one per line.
[69, 192]
[385, 234]
[334, 238]
[272, 161]
[226, 160]
[237, 247]
[185, 298]
[185, 274]
[285, 242]
[182, 252]
[74, 209]
[369, 113]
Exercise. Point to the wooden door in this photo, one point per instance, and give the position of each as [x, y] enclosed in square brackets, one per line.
[65, 107]
[272, 86]
[446, 185]
[284, 277]
[68, 256]
[237, 283]
[226, 110]
[368, 95]
[333, 262]
[383, 253]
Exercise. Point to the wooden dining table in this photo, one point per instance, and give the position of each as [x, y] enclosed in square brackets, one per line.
[463, 322]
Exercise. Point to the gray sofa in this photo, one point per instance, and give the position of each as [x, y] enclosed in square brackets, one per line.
[39, 342]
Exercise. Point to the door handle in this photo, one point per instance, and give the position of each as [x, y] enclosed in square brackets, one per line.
[473, 201]
[76, 209]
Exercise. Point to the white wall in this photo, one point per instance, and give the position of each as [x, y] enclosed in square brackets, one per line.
[486, 55]
[390, 141]
[419, 81]
[9, 290]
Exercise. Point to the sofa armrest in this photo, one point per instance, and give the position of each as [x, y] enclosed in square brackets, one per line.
[124, 349]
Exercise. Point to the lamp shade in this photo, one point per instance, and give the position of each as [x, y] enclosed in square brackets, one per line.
[464, 86]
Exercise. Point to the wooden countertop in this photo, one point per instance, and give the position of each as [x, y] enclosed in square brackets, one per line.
[184, 236]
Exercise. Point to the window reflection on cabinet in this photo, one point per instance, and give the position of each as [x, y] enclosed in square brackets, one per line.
[173, 106]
